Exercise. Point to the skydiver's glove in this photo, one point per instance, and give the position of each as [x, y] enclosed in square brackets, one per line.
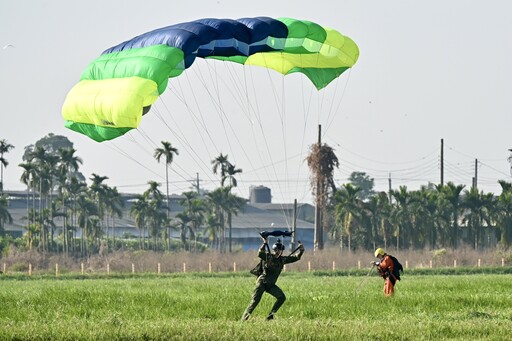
[375, 263]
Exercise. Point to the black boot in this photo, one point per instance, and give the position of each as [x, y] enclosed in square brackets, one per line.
[270, 316]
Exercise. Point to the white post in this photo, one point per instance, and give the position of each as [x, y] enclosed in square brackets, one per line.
[4, 268]
[454, 263]
[358, 265]
[82, 267]
[108, 268]
[210, 267]
[309, 266]
[29, 269]
[333, 265]
[431, 263]
[234, 266]
[133, 268]
[158, 268]
[479, 262]
[184, 267]
[56, 269]
[502, 262]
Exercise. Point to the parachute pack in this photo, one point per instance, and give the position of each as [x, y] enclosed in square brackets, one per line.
[397, 268]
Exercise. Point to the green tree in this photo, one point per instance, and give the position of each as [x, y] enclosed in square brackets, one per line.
[5, 216]
[364, 182]
[5, 147]
[167, 151]
[348, 210]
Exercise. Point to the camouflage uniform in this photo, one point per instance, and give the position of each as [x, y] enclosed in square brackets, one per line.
[266, 282]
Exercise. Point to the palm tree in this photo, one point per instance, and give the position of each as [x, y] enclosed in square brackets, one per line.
[167, 151]
[220, 164]
[5, 216]
[138, 211]
[347, 207]
[504, 206]
[402, 216]
[321, 162]
[5, 147]
[451, 194]
[113, 204]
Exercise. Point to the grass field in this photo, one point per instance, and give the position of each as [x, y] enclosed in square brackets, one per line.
[209, 307]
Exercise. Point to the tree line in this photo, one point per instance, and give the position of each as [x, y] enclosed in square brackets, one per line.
[352, 214]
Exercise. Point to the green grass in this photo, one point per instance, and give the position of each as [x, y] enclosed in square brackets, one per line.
[209, 307]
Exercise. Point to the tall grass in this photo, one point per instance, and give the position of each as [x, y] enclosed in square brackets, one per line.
[209, 307]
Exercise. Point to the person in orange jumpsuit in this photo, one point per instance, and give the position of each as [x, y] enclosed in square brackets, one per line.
[385, 266]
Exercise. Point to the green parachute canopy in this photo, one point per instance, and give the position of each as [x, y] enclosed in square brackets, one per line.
[120, 86]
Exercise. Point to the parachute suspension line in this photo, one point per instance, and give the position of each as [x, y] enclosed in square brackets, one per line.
[128, 156]
[216, 100]
[179, 135]
[349, 72]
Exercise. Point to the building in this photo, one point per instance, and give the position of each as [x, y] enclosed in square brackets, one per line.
[260, 214]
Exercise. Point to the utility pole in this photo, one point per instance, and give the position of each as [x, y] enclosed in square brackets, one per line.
[318, 242]
[442, 162]
[389, 186]
[294, 226]
[475, 179]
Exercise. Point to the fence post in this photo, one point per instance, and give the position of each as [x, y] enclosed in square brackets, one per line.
[309, 266]
[209, 267]
[133, 268]
[333, 265]
[82, 268]
[359, 264]
[30, 269]
[158, 268]
[406, 264]
[478, 262]
[184, 267]
[431, 263]
[56, 269]
[108, 268]
[234, 266]
[4, 267]
[502, 263]
[454, 263]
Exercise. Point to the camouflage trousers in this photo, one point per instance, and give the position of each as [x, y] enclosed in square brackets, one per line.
[261, 288]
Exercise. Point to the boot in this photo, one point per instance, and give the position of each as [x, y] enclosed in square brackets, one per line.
[270, 316]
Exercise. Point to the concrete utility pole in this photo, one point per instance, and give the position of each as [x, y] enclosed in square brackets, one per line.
[318, 242]
[294, 226]
[475, 179]
[442, 162]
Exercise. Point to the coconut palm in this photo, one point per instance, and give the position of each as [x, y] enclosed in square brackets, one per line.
[5, 147]
[167, 151]
[221, 164]
[347, 208]
[5, 216]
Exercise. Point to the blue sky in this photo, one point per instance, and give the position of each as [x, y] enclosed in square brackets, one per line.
[427, 71]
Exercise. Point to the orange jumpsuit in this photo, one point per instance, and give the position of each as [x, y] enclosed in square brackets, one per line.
[386, 267]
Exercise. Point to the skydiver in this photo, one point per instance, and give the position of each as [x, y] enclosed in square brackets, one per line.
[385, 265]
[273, 263]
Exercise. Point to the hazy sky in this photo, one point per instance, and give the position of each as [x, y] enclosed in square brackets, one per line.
[427, 71]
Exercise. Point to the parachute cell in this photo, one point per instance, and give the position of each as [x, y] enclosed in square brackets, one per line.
[118, 87]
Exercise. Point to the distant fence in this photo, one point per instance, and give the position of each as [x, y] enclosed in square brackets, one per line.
[210, 268]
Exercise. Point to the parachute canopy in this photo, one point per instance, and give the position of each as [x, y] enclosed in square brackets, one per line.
[120, 86]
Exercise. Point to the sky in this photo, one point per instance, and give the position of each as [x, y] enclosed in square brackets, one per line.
[428, 71]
